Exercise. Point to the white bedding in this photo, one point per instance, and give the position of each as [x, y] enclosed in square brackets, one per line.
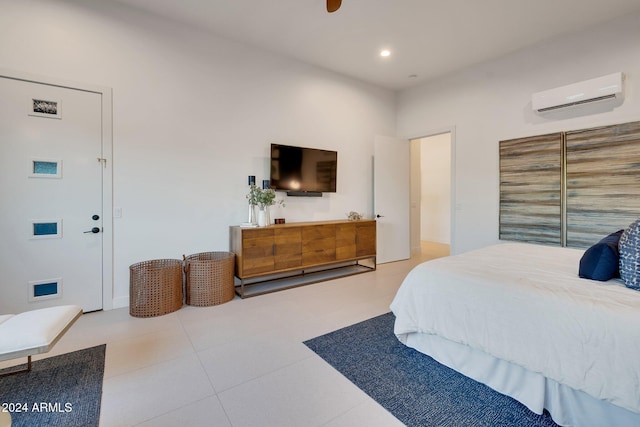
[526, 304]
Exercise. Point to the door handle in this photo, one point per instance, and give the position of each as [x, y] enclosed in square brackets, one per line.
[94, 230]
[379, 216]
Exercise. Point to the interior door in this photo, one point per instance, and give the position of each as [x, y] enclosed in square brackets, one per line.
[391, 198]
[51, 189]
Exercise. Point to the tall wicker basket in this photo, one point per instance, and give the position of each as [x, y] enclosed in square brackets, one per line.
[209, 278]
[155, 287]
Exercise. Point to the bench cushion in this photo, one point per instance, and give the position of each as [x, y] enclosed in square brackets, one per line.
[36, 331]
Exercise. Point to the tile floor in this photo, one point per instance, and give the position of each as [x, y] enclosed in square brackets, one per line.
[241, 363]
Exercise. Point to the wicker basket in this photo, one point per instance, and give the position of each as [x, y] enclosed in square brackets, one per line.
[209, 278]
[155, 287]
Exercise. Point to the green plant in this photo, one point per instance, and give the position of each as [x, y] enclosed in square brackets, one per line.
[267, 197]
[253, 194]
[263, 197]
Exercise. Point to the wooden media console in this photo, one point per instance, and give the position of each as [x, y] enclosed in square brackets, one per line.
[282, 256]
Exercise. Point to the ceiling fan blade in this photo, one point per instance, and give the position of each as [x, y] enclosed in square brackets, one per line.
[333, 5]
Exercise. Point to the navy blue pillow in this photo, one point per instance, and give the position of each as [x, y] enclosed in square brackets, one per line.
[601, 261]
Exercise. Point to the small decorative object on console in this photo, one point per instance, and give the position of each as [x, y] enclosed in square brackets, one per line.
[354, 216]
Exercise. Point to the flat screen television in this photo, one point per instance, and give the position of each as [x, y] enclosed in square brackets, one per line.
[303, 171]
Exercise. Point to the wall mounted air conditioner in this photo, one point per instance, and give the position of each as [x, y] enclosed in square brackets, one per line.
[593, 90]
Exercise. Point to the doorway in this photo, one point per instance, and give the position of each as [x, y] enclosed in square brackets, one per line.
[431, 195]
[55, 178]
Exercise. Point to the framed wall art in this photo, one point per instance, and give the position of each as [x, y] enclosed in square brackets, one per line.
[45, 108]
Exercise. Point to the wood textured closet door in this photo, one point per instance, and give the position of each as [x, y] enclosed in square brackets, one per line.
[603, 181]
[531, 189]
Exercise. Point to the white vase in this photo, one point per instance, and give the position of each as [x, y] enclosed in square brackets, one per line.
[262, 217]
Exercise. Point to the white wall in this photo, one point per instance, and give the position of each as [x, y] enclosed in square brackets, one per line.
[435, 197]
[193, 116]
[492, 101]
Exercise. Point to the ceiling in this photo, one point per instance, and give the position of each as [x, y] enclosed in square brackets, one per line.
[427, 38]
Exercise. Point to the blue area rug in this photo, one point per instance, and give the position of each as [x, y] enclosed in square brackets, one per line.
[416, 389]
[64, 390]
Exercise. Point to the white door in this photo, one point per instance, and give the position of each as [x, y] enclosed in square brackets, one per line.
[51, 196]
[391, 198]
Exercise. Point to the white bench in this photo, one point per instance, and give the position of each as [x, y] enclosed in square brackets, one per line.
[34, 332]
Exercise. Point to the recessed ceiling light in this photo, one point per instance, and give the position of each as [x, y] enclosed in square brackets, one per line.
[385, 52]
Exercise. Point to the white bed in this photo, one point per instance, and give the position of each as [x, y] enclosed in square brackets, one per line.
[518, 318]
